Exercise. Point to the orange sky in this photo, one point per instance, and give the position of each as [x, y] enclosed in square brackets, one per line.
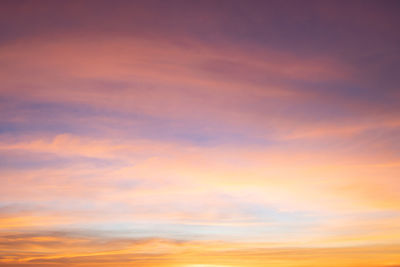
[199, 133]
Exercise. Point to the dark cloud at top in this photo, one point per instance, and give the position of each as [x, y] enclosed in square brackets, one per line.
[363, 34]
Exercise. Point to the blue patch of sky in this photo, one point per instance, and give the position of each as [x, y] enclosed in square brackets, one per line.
[184, 231]
[21, 160]
[55, 118]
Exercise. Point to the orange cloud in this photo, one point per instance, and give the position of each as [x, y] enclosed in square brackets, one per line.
[67, 251]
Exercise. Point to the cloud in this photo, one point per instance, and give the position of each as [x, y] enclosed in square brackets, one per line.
[66, 249]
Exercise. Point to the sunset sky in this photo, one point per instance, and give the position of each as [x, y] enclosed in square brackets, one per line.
[196, 133]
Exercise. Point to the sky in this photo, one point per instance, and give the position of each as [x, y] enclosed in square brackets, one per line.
[197, 133]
